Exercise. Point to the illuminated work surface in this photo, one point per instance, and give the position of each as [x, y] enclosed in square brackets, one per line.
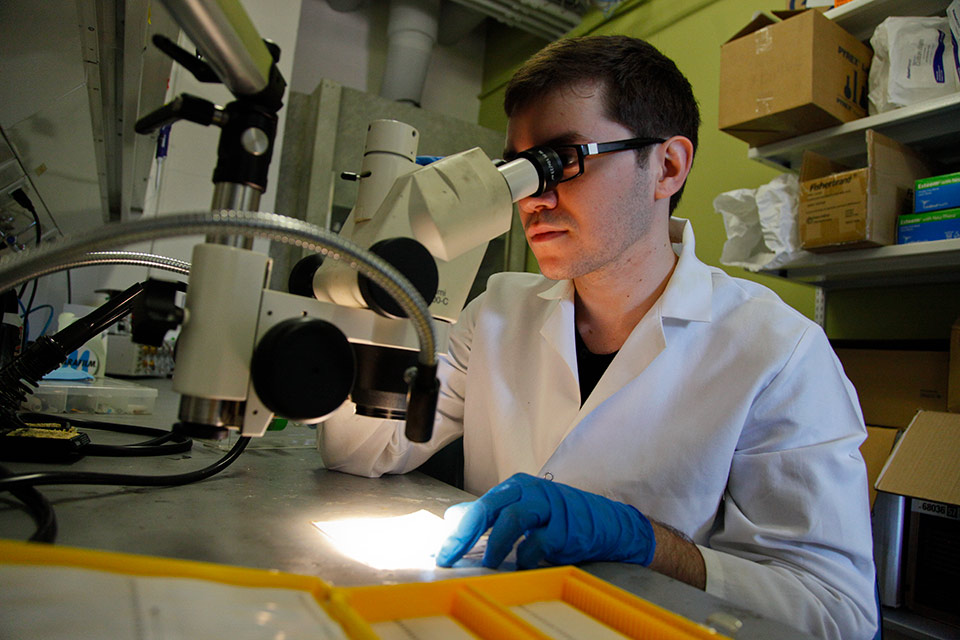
[259, 513]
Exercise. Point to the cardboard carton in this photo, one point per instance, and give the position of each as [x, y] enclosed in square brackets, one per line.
[924, 467]
[857, 208]
[875, 451]
[953, 377]
[808, 4]
[928, 226]
[937, 193]
[895, 379]
[925, 463]
[779, 80]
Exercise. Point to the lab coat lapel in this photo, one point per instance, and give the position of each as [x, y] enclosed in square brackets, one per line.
[643, 346]
[560, 389]
[557, 328]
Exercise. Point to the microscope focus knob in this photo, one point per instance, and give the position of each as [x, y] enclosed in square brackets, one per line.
[300, 281]
[414, 261]
[303, 369]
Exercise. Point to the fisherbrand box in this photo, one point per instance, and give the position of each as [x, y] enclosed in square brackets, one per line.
[847, 209]
[782, 79]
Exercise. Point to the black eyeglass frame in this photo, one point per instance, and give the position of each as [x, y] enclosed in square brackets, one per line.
[597, 148]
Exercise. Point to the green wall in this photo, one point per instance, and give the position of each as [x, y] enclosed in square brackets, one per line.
[691, 33]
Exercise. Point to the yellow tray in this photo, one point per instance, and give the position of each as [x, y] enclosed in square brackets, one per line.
[484, 605]
[490, 606]
[14, 552]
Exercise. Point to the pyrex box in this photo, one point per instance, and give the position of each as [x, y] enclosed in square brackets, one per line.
[779, 80]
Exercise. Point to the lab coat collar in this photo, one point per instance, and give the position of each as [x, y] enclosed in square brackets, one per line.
[689, 292]
[560, 290]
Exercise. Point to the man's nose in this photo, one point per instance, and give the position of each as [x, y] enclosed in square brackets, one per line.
[546, 200]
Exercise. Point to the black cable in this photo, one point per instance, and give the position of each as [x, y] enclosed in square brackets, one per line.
[140, 449]
[39, 509]
[26, 312]
[155, 446]
[69, 288]
[82, 477]
[24, 201]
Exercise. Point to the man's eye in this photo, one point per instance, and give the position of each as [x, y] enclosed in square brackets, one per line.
[568, 157]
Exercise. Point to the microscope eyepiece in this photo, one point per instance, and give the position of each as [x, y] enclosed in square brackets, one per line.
[547, 163]
[532, 172]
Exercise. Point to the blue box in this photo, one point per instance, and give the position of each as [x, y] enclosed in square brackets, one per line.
[936, 193]
[932, 225]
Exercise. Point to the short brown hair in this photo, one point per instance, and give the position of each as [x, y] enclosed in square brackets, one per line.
[642, 89]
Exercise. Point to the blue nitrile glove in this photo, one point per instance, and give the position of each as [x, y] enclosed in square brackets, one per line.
[562, 525]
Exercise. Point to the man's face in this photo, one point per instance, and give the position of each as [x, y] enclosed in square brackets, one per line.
[595, 221]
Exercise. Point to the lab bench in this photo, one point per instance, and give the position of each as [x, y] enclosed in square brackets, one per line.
[259, 513]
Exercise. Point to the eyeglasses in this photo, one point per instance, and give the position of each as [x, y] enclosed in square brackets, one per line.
[572, 155]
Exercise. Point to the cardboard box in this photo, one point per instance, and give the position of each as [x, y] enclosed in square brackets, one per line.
[936, 193]
[779, 80]
[953, 378]
[857, 208]
[875, 451]
[931, 225]
[896, 379]
[808, 4]
[924, 467]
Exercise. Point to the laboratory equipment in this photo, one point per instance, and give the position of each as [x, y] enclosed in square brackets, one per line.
[49, 352]
[247, 353]
[127, 358]
[452, 208]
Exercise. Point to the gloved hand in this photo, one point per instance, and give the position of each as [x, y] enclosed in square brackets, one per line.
[562, 525]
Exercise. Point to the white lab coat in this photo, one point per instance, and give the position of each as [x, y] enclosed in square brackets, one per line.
[725, 415]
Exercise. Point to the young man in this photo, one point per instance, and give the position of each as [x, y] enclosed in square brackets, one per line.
[655, 410]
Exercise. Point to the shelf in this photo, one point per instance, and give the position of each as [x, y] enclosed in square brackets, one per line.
[929, 127]
[919, 262]
[861, 17]
[908, 624]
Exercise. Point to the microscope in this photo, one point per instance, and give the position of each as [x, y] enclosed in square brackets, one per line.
[359, 315]
[247, 353]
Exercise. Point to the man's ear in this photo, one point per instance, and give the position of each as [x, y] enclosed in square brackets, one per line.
[675, 158]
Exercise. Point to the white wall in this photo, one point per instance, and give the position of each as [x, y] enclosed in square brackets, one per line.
[316, 42]
[350, 48]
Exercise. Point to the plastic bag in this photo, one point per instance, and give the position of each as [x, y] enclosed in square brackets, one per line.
[953, 18]
[914, 59]
[761, 224]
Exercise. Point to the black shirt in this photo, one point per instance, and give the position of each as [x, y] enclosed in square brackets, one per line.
[591, 367]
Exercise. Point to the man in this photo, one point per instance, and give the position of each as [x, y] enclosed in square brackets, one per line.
[658, 411]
